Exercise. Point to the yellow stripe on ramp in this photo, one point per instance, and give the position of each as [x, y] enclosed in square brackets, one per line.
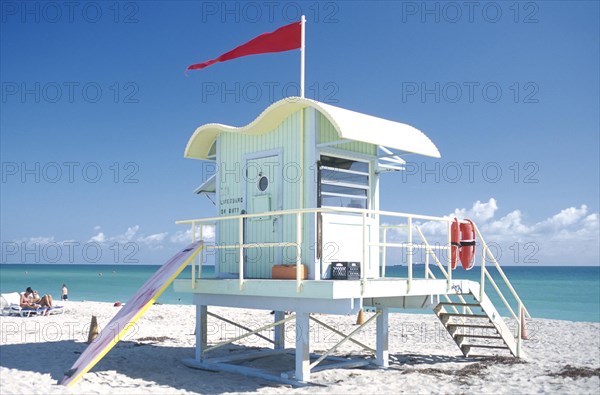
[127, 316]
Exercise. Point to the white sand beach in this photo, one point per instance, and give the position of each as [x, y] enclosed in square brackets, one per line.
[561, 356]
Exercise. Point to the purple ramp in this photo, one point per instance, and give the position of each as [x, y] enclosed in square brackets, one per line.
[130, 313]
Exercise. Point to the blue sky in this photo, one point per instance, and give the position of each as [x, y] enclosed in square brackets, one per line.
[96, 112]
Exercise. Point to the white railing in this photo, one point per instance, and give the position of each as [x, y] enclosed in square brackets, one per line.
[297, 243]
[410, 245]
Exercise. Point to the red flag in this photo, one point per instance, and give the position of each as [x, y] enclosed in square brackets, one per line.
[283, 39]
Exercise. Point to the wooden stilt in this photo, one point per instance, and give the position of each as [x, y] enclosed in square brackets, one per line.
[279, 331]
[302, 347]
[382, 354]
[200, 332]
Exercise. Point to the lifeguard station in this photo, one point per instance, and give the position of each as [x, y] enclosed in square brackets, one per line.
[299, 228]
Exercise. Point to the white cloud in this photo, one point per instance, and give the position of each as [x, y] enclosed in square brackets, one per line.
[479, 211]
[208, 232]
[570, 236]
[129, 234]
[126, 237]
[509, 225]
[155, 238]
[40, 240]
[99, 238]
[182, 236]
[153, 241]
[591, 222]
[567, 217]
[185, 236]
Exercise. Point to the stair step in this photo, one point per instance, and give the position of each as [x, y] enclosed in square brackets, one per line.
[460, 304]
[471, 326]
[484, 346]
[464, 315]
[477, 336]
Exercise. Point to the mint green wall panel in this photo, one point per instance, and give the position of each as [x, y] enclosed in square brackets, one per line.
[236, 191]
[232, 186]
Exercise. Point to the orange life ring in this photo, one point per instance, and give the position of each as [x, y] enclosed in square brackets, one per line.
[467, 244]
[454, 242]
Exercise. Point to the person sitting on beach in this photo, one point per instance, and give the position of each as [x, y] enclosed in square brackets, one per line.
[26, 300]
[34, 298]
[65, 293]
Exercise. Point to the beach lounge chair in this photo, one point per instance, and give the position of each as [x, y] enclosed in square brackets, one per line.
[8, 300]
[10, 303]
[55, 309]
[11, 306]
[26, 311]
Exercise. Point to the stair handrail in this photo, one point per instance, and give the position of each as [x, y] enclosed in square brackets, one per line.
[484, 274]
[428, 272]
[487, 252]
[428, 249]
[519, 316]
[493, 282]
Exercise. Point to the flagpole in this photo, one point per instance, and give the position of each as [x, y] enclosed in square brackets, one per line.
[300, 218]
[302, 44]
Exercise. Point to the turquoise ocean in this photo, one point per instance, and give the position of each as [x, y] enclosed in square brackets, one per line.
[567, 292]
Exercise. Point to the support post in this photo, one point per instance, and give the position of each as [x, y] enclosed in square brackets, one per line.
[193, 266]
[384, 251]
[298, 252]
[241, 251]
[302, 347]
[449, 277]
[427, 264]
[410, 254]
[483, 269]
[279, 331]
[200, 256]
[201, 325]
[363, 264]
[382, 355]
[519, 331]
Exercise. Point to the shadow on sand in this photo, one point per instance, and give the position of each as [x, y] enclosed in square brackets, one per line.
[146, 363]
[427, 359]
[156, 365]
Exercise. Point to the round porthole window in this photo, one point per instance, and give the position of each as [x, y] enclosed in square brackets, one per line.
[263, 183]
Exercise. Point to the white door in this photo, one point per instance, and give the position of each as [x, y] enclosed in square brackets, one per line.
[263, 194]
[342, 238]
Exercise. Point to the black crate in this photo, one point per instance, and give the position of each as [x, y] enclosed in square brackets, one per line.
[345, 271]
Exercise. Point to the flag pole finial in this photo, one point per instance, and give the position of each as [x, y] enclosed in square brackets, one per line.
[302, 45]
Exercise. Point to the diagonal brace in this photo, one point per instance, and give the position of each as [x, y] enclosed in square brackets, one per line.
[291, 317]
[342, 334]
[238, 325]
[344, 340]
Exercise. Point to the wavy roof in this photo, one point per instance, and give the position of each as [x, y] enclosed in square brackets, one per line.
[350, 125]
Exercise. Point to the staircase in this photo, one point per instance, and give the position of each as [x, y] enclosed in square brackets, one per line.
[475, 324]
[468, 314]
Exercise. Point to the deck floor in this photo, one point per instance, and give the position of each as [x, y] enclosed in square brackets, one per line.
[323, 289]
